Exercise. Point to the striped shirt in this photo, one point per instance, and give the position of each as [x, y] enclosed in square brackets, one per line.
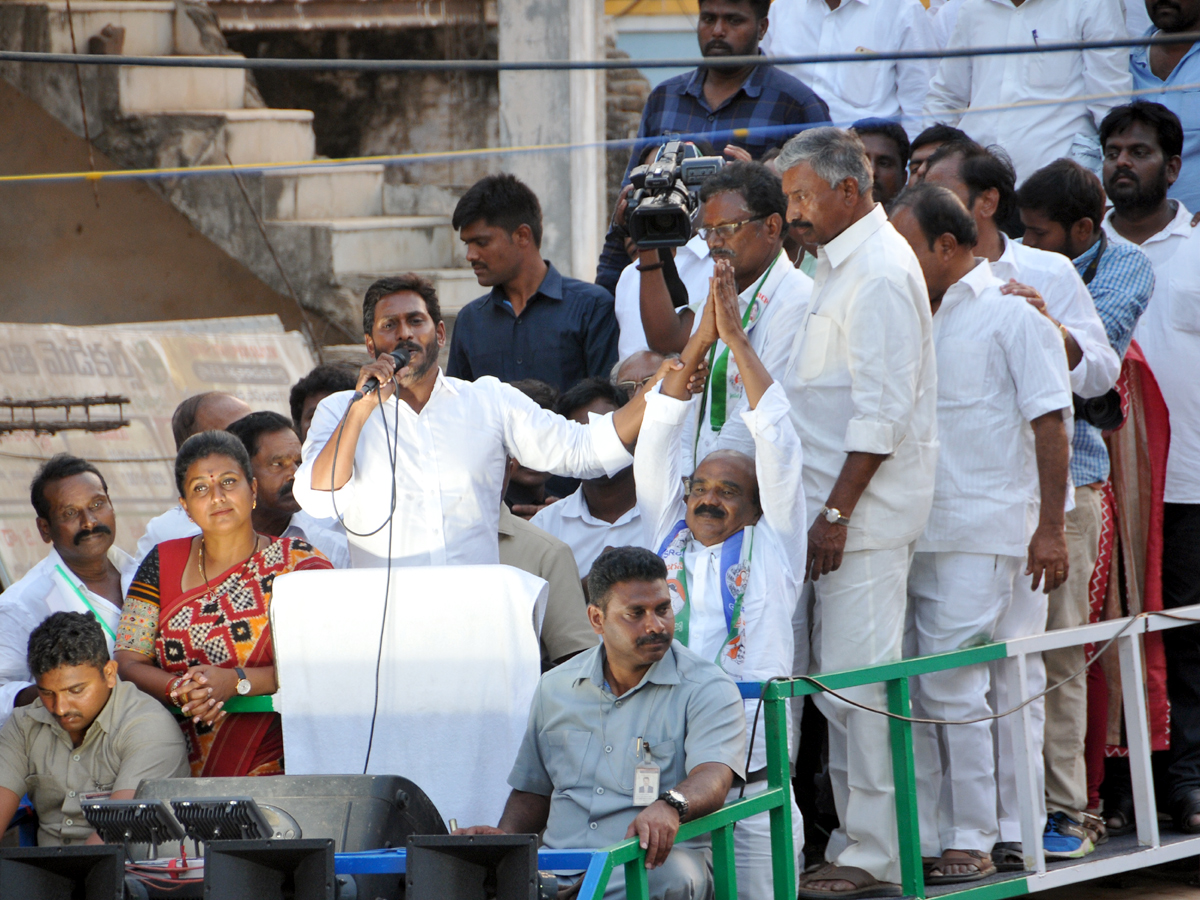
[1121, 288]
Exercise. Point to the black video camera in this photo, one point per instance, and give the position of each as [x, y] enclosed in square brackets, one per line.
[666, 194]
[1104, 411]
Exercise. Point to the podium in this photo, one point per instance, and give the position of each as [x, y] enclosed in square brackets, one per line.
[456, 669]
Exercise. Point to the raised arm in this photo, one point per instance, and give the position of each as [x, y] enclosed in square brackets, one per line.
[724, 297]
[344, 439]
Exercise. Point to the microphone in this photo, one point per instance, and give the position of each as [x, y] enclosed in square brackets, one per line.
[401, 357]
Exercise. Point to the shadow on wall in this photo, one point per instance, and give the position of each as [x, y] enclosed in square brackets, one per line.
[135, 258]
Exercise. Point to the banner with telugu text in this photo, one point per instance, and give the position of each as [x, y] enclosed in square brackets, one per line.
[155, 365]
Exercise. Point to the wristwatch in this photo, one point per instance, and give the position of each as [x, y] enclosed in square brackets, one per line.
[834, 516]
[243, 685]
[677, 800]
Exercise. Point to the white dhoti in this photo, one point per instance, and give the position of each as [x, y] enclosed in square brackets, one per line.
[1026, 616]
[859, 621]
[955, 601]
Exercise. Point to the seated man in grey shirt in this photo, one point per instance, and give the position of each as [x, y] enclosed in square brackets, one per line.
[630, 738]
[86, 735]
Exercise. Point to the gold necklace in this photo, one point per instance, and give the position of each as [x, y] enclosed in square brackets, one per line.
[200, 562]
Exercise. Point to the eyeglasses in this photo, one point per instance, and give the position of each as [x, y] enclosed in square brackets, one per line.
[728, 230]
[629, 387]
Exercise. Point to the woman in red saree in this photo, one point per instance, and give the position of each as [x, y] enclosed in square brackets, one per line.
[195, 629]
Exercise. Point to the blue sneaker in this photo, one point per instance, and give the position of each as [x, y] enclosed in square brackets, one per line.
[1064, 838]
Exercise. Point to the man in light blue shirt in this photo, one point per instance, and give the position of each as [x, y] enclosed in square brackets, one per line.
[1168, 67]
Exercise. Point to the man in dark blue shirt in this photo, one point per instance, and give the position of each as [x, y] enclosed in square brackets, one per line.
[535, 323]
[742, 111]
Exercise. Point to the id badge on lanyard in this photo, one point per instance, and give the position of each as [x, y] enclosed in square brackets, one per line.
[646, 776]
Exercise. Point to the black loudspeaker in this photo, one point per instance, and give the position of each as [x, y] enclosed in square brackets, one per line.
[92, 872]
[472, 867]
[269, 870]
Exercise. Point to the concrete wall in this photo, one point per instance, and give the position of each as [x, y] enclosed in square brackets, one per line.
[135, 258]
[544, 107]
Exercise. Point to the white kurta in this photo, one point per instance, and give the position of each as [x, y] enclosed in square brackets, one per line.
[572, 522]
[448, 470]
[862, 377]
[891, 89]
[1023, 102]
[1169, 335]
[45, 589]
[783, 299]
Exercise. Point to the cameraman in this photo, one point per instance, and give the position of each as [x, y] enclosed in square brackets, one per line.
[741, 220]
[715, 101]
[1062, 206]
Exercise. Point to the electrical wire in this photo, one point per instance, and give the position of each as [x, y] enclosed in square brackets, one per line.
[635, 144]
[393, 451]
[917, 720]
[570, 65]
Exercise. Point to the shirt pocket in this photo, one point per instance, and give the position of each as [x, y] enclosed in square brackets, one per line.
[1050, 71]
[814, 347]
[566, 752]
[1184, 297]
[663, 754]
[961, 368]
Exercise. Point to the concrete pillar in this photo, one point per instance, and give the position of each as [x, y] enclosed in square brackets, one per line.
[557, 107]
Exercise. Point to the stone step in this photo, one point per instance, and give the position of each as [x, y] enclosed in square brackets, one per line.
[456, 288]
[149, 26]
[144, 89]
[381, 244]
[339, 192]
[269, 135]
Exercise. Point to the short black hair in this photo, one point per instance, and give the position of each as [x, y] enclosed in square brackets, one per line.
[760, 8]
[1064, 192]
[183, 420]
[937, 133]
[761, 188]
[56, 468]
[938, 211]
[890, 129]
[618, 564]
[544, 395]
[588, 390]
[328, 378]
[385, 287]
[66, 639]
[983, 168]
[250, 429]
[1164, 122]
[211, 443]
[502, 201]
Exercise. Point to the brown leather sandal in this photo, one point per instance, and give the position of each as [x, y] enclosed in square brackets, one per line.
[977, 861]
[865, 884]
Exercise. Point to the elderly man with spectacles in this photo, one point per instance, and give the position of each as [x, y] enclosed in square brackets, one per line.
[743, 221]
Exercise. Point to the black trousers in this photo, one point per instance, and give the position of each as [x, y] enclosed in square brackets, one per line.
[1181, 587]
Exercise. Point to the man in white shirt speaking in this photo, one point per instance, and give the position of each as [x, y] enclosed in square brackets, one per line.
[743, 222]
[862, 385]
[415, 468]
[1001, 471]
[84, 572]
[1037, 106]
[732, 536]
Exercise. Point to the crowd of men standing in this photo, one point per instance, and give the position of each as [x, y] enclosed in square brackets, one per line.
[865, 413]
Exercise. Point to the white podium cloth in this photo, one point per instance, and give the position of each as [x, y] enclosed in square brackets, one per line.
[459, 666]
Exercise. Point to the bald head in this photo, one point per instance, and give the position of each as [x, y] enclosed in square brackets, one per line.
[636, 369]
[210, 411]
[722, 496]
